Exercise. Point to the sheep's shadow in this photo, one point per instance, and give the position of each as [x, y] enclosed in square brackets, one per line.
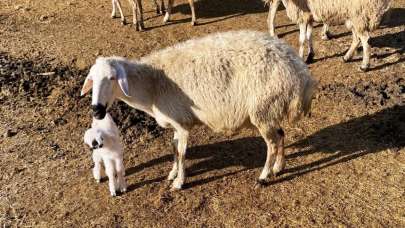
[339, 143]
[393, 18]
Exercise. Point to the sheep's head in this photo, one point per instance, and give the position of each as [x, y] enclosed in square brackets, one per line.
[107, 77]
[94, 138]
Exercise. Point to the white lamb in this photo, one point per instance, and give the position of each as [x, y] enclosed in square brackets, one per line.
[103, 138]
[226, 81]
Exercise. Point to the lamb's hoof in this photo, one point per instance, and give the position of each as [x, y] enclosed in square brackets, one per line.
[326, 36]
[365, 68]
[310, 58]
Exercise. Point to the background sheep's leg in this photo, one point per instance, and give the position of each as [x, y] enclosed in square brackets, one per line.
[121, 175]
[116, 3]
[325, 32]
[182, 146]
[162, 7]
[110, 171]
[174, 171]
[269, 136]
[273, 6]
[193, 17]
[280, 157]
[140, 25]
[364, 37]
[311, 54]
[97, 167]
[303, 29]
[353, 46]
[169, 11]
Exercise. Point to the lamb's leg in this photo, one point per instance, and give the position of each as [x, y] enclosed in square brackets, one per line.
[97, 167]
[174, 171]
[193, 17]
[272, 15]
[118, 4]
[168, 12]
[311, 54]
[181, 150]
[119, 165]
[280, 157]
[325, 32]
[364, 37]
[270, 137]
[140, 24]
[303, 30]
[353, 47]
[110, 171]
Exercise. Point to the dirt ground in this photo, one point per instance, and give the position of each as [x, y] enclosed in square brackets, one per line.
[345, 164]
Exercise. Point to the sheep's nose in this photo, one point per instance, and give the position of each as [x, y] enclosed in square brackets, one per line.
[95, 145]
[99, 111]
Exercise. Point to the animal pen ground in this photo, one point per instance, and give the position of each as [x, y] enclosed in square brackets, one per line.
[345, 164]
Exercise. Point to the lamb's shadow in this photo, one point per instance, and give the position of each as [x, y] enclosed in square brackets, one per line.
[339, 143]
[221, 10]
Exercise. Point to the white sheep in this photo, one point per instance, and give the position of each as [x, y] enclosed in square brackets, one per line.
[103, 138]
[360, 16]
[226, 81]
[273, 6]
[137, 12]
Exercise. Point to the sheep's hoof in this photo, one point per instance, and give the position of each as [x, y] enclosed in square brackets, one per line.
[176, 185]
[326, 36]
[113, 16]
[166, 18]
[113, 194]
[193, 23]
[260, 183]
[123, 22]
[123, 190]
[365, 68]
[310, 58]
[98, 181]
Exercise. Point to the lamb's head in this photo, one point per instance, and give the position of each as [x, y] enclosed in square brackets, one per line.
[107, 78]
[94, 138]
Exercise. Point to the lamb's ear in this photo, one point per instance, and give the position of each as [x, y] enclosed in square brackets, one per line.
[122, 79]
[87, 85]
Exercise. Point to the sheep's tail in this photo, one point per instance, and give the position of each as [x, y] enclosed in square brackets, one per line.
[302, 104]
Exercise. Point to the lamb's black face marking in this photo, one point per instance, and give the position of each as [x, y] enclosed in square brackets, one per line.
[99, 111]
[96, 145]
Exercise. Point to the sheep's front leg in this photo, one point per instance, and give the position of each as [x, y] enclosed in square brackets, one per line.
[364, 37]
[325, 32]
[303, 29]
[174, 171]
[272, 15]
[110, 171]
[193, 17]
[97, 167]
[270, 137]
[168, 12]
[280, 157]
[116, 3]
[311, 54]
[119, 165]
[181, 150]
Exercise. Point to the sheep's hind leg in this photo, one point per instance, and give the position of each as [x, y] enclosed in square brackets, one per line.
[326, 35]
[311, 54]
[181, 149]
[193, 17]
[353, 46]
[168, 12]
[270, 137]
[272, 15]
[174, 171]
[280, 157]
[118, 4]
[365, 65]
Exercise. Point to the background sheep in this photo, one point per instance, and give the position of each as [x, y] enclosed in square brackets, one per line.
[137, 12]
[103, 138]
[360, 16]
[226, 81]
[169, 11]
[273, 6]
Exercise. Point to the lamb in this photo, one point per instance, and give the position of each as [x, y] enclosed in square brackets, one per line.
[273, 6]
[360, 16]
[137, 12]
[103, 138]
[226, 81]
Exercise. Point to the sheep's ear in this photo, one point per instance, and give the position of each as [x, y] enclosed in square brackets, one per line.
[122, 79]
[88, 84]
